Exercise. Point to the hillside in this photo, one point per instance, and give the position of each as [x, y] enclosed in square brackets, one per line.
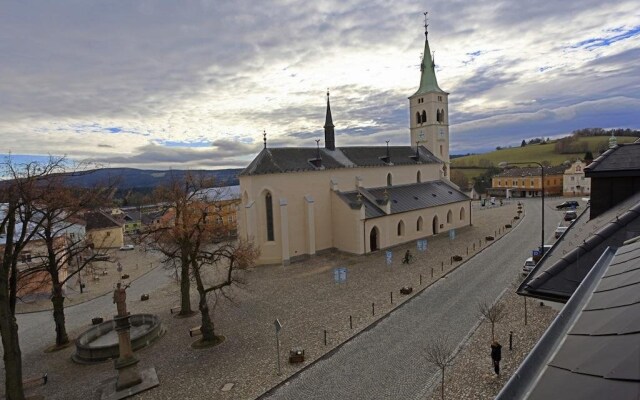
[145, 180]
[533, 152]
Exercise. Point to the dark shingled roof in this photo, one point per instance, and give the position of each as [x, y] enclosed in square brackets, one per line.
[100, 220]
[560, 271]
[626, 160]
[532, 171]
[293, 159]
[592, 349]
[403, 198]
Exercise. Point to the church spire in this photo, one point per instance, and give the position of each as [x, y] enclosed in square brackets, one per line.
[329, 135]
[428, 81]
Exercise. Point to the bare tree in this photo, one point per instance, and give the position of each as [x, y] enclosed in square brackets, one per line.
[59, 211]
[440, 352]
[494, 313]
[19, 222]
[216, 269]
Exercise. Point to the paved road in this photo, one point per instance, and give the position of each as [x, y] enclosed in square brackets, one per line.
[385, 361]
[37, 329]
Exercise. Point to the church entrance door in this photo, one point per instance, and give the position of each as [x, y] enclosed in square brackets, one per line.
[373, 239]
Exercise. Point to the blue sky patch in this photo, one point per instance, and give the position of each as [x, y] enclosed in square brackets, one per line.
[593, 43]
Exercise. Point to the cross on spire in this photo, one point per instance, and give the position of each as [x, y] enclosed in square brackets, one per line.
[264, 138]
[426, 23]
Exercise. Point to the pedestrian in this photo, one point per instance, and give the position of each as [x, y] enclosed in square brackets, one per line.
[407, 257]
[496, 355]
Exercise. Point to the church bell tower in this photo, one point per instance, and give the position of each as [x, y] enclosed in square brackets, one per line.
[429, 109]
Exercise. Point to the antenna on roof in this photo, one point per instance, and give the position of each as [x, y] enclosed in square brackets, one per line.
[264, 138]
[318, 149]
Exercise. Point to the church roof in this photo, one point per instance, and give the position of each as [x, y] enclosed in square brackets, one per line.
[296, 159]
[403, 198]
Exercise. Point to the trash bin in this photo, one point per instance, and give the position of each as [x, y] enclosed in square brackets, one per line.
[296, 356]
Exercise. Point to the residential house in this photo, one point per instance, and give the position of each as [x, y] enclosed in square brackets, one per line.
[103, 230]
[574, 183]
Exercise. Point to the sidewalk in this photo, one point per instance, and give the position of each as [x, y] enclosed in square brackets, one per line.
[303, 296]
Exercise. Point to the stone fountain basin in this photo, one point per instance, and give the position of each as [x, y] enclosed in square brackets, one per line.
[100, 343]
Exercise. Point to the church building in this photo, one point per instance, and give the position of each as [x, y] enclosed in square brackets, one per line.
[301, 201]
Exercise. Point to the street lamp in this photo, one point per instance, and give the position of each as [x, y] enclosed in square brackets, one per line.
[504, 164]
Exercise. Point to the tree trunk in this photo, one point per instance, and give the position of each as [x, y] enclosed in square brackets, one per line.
[11, 346]
[58, 316]
[185, 287]
[206, 324]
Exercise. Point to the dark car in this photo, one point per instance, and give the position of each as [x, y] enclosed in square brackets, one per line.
[570, 215]
[567, 204]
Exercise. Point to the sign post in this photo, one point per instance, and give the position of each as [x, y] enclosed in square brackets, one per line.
[278, 326]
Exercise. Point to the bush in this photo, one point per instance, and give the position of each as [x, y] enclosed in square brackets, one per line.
[457, 258]
[488, 238]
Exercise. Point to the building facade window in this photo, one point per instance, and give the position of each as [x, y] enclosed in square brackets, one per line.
[462, 214]
[400, 228]
[449, 217]
[389, 179]
[419, 224]
[268, 202]
[418, 177]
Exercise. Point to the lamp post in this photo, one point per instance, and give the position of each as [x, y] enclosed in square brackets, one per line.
[504, 164]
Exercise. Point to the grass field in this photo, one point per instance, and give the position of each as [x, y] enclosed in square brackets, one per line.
[534, 152]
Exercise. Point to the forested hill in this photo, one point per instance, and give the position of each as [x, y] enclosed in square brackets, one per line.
[145, 180]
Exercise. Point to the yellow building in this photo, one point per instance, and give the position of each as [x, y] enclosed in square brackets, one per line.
[103, 231]
[527, 182]
[297, 202]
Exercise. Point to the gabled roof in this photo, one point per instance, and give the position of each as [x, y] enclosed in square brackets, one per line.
[403, 198]
[296, 159]
[532, 171]
[621, 160]
[592, 349]
[100, 220]
[560, 271]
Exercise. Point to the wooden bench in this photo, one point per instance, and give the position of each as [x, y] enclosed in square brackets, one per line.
[195, 331]
[39, 380]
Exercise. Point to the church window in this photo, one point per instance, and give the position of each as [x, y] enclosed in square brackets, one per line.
[462, 213]
[441, 151]
[269, 208]
[424, 116]
[389, 179]
[401, 228]
[444, 167]
[418, 118]
[439, 98]
[449, 217]
[418, 177]
[419, 224]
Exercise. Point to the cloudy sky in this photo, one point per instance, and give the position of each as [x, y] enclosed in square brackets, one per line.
[193, 84]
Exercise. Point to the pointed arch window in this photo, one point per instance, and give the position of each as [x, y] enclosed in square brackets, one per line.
[438, 115]
[418, 118]
[419, 224]
[389, 179]
[401, 228]
[462, 213]
[449, 217]
[419, 177]
[424, 116]
[268, 202]
[442, 115]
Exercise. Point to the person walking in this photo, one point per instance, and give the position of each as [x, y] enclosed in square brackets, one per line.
[496, 356]
[407, 257]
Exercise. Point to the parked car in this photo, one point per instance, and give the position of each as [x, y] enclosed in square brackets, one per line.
[570, 215]
[127, 247]
[560, 230]
[101, 257]
[528, 266]
[546, 248]
[567, 204]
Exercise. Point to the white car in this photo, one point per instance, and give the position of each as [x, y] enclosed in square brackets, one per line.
[127, 247]
[528, 266]
[560, 230]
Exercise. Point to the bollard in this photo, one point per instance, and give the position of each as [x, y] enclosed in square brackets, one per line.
[467, 250]
[350, 322]
[432, 272]
[510, 340]
[421, 279]
[373, 308]
[325, 337]
[391, 294]
[451, 261]
[442, 266]
[474, 246]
